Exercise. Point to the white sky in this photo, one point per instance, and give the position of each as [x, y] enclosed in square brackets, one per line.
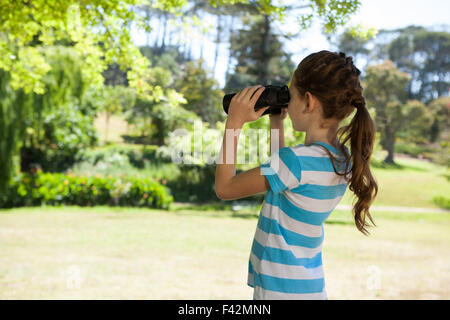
[381, 14]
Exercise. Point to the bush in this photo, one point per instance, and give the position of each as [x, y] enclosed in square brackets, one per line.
[413, 150]
[195, 183]
[68, 189]
[123, 155]
[442, 202]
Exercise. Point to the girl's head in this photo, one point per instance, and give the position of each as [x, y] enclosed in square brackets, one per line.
[330, 82]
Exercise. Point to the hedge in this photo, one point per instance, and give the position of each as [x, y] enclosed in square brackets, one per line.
[35, 189]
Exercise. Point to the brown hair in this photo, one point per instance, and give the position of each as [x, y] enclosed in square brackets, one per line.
[334, 81]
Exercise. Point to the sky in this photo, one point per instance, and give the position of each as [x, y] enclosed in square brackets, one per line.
[381, 14]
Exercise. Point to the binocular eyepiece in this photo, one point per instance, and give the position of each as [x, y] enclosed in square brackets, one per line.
[274, 97]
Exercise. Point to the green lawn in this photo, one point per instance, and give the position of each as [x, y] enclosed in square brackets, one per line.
[413, 183]
[129, 253]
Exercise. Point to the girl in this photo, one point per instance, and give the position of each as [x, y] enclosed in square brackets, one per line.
[304, 183]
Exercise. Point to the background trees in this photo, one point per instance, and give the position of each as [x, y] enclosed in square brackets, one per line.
[385, 91]
[63, 63]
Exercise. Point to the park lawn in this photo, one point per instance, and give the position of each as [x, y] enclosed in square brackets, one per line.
[413, 183]
[131, 253]
[116, 128]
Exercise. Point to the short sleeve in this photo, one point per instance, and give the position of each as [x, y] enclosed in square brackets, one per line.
[282, 170]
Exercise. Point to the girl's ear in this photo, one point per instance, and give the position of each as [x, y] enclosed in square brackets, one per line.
[308, 100]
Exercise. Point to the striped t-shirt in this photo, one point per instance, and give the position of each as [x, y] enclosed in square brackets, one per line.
[286, 255]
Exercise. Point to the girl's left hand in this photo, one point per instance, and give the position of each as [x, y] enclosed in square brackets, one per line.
[242, 107]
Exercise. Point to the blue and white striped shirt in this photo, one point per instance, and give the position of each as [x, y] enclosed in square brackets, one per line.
[286, 255]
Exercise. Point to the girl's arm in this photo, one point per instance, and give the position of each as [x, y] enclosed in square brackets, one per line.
[229, 186]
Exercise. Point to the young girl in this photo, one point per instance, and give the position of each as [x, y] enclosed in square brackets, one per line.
[305, 182]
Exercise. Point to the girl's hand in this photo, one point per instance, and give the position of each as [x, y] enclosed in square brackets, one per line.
[279, 117]
[242, 105]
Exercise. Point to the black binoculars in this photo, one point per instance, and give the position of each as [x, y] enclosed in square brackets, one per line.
[274, 97]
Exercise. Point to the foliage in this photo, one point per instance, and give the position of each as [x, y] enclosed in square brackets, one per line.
[414, 150]
[434, 71]
[61, 123]
[385, 91]
[443, 202]
[255, 65]
[68, 189]
[161, 114]
[440, 110]
[353, 45]
[114, 100]
[122, 156]
[47, 129]
[416, 122]
[201, 92]
[336, 13]
[99, 30]
[66, 132]
[416, 50]
[14, 106]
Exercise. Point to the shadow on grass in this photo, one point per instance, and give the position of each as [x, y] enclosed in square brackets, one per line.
[245, 215]
[381, 164]
[201, 206]
[339, 222]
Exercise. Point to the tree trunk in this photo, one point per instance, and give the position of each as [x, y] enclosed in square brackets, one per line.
[218, 36]
[147, 34]
[230, 31]
[263, 69]
[160, 131]
[434, 131]
[158, 32]
[389, 143]
[163, 45]
[106, 127]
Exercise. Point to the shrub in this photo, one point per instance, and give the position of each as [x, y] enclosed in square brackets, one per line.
[127, 154]
[410, 149]
[442, 202]
[195, 183]
[69, 189]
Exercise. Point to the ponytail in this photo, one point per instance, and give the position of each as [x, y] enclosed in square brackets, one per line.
[361, 133]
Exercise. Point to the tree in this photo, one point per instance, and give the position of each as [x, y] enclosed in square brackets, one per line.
[115, 99]
[356, 45]
[47, 130]
[434, 73]
[158, 116]
[98, 30]
[385, 91]
[440, 109]
[421, 53]
[258, 45]
[259, 54]
[202, 93]
[416, 124]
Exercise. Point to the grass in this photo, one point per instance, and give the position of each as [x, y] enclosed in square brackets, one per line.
[116, 128]
[410, 183]
[131, 253]
[201, 251]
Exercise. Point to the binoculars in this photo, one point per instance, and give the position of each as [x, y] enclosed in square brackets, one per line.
[274, 97]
